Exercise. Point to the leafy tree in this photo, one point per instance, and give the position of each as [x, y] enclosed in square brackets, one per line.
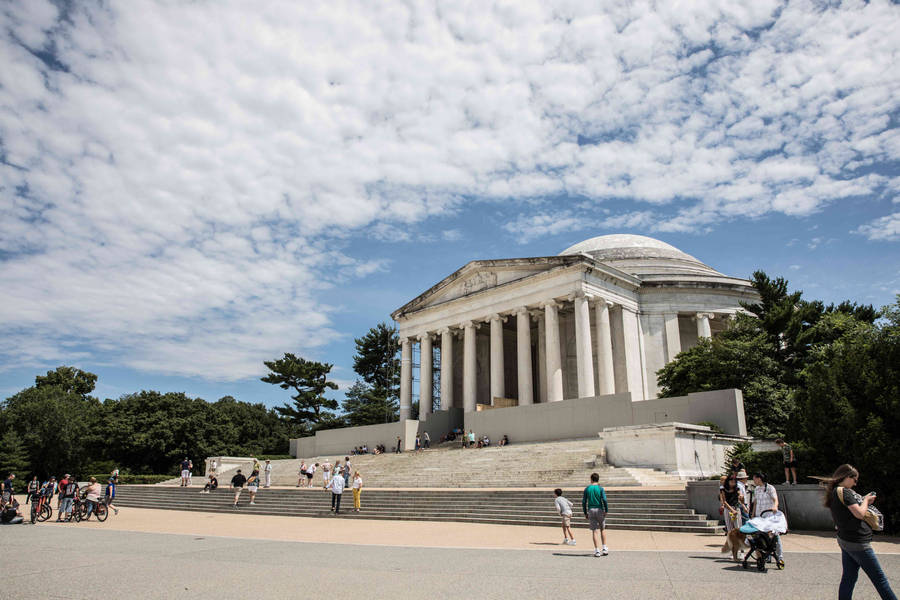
[363, 407]
[375, 398]
[309, 379]
[740, 357]
[68, 379]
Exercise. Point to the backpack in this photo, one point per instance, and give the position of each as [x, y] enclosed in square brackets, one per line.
[873, 518]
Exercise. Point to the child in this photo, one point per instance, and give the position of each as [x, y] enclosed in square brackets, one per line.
[564, 508]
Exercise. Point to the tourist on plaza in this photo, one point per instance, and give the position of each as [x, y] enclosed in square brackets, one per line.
[766, 498]
[564, 508]
[347, 471]
[237, 484]
[49, 489]
[255, 464]
[67, 495]
[268, 471]
[253, 486]
[399, 450]
[326, 474]
[595, 507]
[185, 471]
[471, 438]
[357, 490]
[92, 496]
[301, 478]
[426, 440]
[336, 485]
[111, 484]
[7, 496]
[418, 443]
[744, 491]
[854, 535]
[190, 472]
[213, 466]
[310, 471]
[730, 503]
[211, 485]
[59, 490]
[505, 440]
[33, 486]
[790, 461]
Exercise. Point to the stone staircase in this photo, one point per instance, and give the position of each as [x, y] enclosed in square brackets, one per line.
[638, 508]
[547, 464]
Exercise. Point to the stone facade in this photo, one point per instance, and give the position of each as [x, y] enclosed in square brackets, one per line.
[600, 318]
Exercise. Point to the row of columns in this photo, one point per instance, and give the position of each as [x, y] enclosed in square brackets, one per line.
[552, 356]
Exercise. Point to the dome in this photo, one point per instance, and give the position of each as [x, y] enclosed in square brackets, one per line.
[640, 255]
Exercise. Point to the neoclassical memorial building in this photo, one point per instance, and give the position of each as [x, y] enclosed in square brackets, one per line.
[600, 318]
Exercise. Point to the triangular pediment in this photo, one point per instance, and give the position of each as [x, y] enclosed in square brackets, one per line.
[480, 276]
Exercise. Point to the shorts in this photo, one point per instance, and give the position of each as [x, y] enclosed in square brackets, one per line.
[185, 474]
[567, 520]
[65, 505]
[252, 488]
[309, 476]
[596, 519]
[790, 464]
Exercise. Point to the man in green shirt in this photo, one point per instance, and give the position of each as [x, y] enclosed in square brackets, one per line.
[594, 506]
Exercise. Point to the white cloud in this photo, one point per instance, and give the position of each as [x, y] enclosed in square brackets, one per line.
[173, 176]
[884, 229]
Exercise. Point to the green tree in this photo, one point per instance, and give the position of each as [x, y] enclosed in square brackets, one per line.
[309, 379]
[375, 398]
[740, 357]
[13, 456]
[68, 379]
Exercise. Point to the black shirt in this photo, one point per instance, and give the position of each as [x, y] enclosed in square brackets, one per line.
[731, 497]
[849, 528]
[238, 480]
[737, 467]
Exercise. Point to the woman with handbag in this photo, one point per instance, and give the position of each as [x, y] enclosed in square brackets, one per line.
[853, 516]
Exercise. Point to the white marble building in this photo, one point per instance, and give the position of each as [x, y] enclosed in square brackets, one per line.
[600, 318]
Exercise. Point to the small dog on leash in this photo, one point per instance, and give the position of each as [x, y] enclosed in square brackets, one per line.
[736, 542]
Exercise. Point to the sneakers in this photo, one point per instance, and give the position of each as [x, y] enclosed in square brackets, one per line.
[571, 542]
[116, 511]
[253, 504]
[565, 541]
[605, 551]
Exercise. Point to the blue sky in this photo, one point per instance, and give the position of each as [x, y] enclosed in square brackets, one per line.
[188, 190]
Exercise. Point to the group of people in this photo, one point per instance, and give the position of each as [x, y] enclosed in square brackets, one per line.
[740, 501]
[66, 491]
[594, 506]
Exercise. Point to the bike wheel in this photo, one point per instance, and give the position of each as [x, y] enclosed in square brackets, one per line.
[77, 513]
[34, 513]
[46, 513]
[102, 512]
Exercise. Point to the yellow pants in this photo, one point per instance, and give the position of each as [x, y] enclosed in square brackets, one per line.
[356, 494]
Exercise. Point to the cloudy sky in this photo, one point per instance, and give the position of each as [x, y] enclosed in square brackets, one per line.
[190, 188]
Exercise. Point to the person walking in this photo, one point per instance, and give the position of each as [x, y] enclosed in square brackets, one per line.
[854, 535]
[268, 471]
[765, 498]
[111, 484]
[594, 506]
[426, 440]
[347, 471]
[398, 445]
[326, 474]
[237, 485]
[744, 492]
[730, 503]
[336, 485]
[357, 491]
[253, 486]
[185, 471]
[564, 508]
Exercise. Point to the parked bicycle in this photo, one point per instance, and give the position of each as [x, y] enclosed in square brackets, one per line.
[40, 508]
[80, 511]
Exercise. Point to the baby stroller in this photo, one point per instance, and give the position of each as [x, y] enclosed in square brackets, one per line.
[761, 533]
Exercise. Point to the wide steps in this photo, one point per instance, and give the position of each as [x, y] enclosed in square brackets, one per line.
[640, 509]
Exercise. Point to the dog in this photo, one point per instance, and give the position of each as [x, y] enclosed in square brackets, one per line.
[736, 542]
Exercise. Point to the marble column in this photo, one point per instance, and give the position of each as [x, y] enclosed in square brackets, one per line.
[470, 385]
[583, 355]
[541, 357]
[523, 355]
[634, 377]
[673, 337]
[446, 369]
[703, 330]
[498, 383]
[426, 377]
[554, 360]
[405, 379]
[606, 378]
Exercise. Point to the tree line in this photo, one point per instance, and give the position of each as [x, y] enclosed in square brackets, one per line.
[58, 426]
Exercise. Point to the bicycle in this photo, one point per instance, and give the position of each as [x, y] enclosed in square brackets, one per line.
[41, 509]
[80, 512]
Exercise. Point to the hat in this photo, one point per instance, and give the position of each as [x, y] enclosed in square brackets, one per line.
[742, 474]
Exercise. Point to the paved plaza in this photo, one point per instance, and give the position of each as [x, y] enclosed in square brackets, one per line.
[253, 556]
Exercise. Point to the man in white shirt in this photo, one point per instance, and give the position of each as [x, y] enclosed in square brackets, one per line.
[336, 485]
[268, 472]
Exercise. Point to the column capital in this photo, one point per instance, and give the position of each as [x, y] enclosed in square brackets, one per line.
[467, 324]
[522, 309]
[497, 317]
[705, 315]
[444, 330]
[404, 340]
[549, 303]
[424, 336]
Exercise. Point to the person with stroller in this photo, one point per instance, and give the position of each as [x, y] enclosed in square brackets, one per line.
[854, 534]
[765, 499]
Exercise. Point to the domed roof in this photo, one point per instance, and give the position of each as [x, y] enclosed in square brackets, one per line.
[640, 255]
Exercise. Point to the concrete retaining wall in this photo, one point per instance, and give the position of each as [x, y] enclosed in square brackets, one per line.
[802, 504]
[342, 441]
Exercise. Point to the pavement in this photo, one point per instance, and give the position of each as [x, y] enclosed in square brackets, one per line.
[170, 554]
